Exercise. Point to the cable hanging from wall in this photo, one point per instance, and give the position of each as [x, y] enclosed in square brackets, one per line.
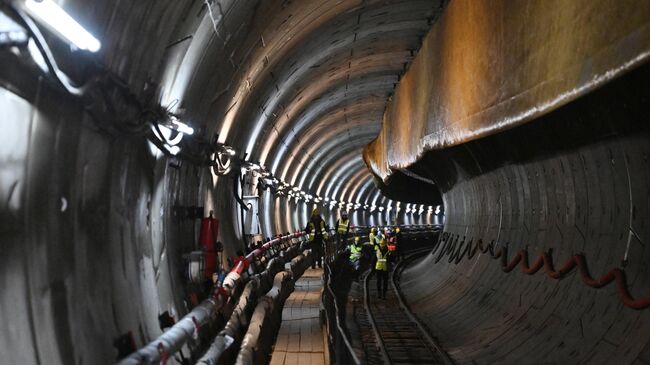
[107, 99]
[456, 249]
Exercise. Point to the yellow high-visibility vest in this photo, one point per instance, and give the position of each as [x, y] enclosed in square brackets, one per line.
[355, 252]
[382, 260]
[312, 231]
[343, 226]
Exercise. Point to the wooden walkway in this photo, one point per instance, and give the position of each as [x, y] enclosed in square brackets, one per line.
[300, 340]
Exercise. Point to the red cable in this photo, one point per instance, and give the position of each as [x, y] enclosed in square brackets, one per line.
[545, 260]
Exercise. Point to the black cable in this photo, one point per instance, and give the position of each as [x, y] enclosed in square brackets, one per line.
[59, 76]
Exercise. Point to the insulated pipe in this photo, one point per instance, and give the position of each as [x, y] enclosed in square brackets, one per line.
[233, 278]
[173, 339]
[188, 327]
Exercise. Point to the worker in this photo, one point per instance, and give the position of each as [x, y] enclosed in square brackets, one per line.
[372, 235]
[342, 230]
[398, 243]
[391, 242]
[381, 267]
[355, 256]
[375, 242]
[317, 237]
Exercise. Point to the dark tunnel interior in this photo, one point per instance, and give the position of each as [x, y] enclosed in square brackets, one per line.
[518, 129]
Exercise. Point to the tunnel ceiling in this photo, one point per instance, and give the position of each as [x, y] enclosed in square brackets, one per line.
[307, 87]
[299, 87]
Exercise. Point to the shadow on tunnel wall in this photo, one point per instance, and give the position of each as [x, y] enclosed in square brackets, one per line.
[576, 180]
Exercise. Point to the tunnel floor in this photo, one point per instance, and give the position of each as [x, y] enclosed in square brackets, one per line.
[300, 339]
[382, 331]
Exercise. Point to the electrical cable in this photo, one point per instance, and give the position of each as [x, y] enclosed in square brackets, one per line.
[59, 76]
[449, 246]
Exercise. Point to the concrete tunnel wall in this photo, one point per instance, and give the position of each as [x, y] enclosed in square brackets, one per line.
[92, 243]
[578, 189]
[534, 130]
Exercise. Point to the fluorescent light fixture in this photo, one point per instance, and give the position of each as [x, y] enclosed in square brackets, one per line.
[182, 127]
[48, 12]
[229, 150]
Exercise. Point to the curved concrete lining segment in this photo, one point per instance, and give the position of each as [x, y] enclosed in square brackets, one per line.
[543, 174]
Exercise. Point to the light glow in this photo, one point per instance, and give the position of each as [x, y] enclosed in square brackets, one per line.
[174, 150]
[167, 133]
[48, 12]
[182, 127]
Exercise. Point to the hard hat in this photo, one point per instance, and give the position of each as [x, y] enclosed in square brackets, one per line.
[372, 230]
[357, 239]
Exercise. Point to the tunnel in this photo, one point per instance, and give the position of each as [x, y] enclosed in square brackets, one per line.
[509, 140]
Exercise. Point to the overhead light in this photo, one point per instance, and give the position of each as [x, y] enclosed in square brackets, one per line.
[182, 127]
[48, 12]
[167, 133]
[229, 150]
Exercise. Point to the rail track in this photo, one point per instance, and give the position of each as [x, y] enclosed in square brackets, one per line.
[399, 336]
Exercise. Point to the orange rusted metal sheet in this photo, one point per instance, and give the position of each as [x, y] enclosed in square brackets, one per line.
[487, 66]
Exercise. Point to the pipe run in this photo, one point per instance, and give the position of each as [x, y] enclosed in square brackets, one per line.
[167, 344]
[233, 278]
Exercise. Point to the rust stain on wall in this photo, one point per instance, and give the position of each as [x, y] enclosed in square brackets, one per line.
[487, 66]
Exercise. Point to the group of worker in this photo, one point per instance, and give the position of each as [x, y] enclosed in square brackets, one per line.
[385, 247]
[384, 244]
[318, 234]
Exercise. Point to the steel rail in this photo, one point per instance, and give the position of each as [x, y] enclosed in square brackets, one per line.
[402, 303]
[371, 319]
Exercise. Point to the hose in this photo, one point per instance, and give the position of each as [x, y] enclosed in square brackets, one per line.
[449, 246]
